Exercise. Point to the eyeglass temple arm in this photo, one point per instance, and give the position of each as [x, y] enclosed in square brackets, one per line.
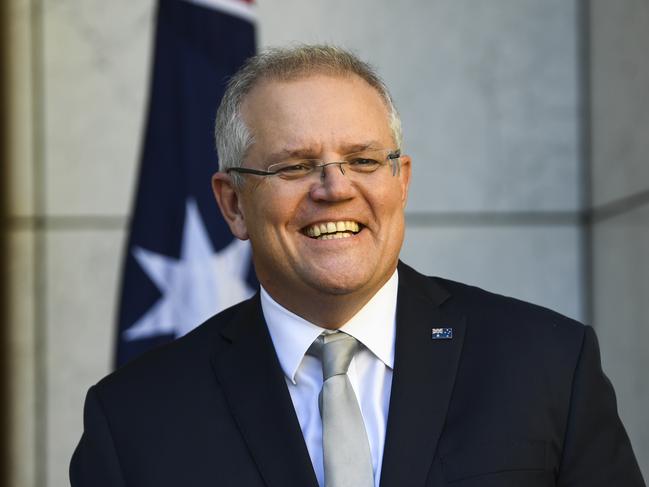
[246, 170]
[395, 162]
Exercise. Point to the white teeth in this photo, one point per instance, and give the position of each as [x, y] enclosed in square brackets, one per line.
[329, 230]
[332, 236]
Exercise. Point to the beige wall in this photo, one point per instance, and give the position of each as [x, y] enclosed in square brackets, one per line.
[21, 239]
[620, 197]
[78, 88]
[489, 93]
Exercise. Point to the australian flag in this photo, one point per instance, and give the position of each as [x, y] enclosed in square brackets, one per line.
[182, 264]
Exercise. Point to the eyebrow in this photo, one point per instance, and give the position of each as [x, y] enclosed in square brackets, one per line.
[310, 152]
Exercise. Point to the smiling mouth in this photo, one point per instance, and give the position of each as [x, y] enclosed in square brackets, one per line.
[333, 230]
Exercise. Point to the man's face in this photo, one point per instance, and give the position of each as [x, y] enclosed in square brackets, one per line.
[320, 117]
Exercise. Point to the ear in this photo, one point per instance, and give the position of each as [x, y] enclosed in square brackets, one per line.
[404, 178]
[229, 201]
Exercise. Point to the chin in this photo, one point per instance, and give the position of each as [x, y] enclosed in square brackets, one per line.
[340, 283]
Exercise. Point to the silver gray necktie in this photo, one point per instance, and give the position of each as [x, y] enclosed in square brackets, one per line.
[347, 458]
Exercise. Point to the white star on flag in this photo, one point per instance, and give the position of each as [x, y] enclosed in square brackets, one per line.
[201, 283]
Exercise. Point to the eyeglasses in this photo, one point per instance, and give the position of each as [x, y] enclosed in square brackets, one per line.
[362, 162]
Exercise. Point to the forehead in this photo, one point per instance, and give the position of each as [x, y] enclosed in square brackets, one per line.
[325, 111]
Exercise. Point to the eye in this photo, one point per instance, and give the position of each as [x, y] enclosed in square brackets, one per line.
[291, 170]
[363, 164]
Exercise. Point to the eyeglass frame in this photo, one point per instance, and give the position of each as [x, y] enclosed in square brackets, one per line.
[393, 154]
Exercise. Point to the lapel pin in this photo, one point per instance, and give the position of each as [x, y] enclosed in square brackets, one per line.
[441, 333]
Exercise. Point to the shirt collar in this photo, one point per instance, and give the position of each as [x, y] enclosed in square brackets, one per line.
[373, 326]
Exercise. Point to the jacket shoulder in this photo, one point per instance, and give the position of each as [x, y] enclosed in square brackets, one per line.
[493, 315]
[173, 363]
[499, 305]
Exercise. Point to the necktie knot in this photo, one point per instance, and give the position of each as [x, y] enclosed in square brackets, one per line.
[336, 351]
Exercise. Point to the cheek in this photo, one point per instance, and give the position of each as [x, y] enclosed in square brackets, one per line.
[285, 209]
[389, 213]
[389, 202]
[270, 218]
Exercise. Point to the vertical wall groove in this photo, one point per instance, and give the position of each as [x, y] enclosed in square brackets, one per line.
[585, 156]
[40, 262]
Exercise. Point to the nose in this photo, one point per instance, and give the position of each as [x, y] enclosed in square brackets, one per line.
[333, 184]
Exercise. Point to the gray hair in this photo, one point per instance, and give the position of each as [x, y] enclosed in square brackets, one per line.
[233, 138]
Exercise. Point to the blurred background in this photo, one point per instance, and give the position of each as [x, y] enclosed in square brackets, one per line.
[527, 122]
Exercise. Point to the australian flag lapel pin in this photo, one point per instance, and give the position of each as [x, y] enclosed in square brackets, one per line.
[441, 333]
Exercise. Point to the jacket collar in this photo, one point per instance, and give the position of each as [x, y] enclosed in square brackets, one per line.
[423, 380]
[252, 381]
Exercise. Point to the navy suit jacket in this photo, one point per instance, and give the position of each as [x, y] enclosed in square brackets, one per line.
[517, 397]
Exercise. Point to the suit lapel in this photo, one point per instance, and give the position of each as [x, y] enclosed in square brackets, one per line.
[424, 375]
[247, 368]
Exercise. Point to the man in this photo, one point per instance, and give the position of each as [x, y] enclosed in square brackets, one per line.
[348, 368]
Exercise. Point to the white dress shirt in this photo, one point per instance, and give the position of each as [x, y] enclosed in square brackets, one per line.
[370, 371]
